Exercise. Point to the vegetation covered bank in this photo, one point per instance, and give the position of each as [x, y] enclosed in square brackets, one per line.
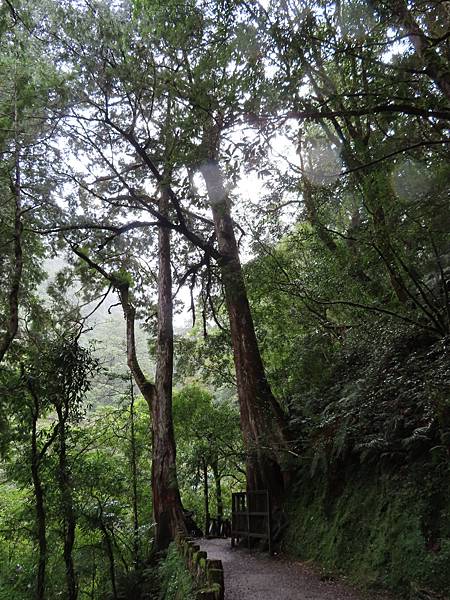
[373, 501]
[384, 529]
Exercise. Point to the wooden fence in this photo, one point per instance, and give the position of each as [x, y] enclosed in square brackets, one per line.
[251, 517]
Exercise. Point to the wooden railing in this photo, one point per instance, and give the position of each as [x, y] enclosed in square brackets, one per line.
[251, 517]
[207, 574]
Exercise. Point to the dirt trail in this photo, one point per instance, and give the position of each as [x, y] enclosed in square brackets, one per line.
[252, 576]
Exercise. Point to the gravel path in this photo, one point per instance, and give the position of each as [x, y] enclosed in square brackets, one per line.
[252, 576]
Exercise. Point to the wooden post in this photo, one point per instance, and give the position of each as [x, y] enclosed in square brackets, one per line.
[269, 523]
[233, 518]
[248, 519]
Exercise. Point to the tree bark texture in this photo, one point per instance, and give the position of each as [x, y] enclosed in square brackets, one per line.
[167, 507]
[262, 420]
[68, 514]
[39, 507]
[12, 324]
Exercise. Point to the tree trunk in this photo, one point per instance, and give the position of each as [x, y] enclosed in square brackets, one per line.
[68, 515]
[262, 421]
[167, 507]
[12, 324]
[435, 66]
[324, 235]
[206, 495]
[312, 216]
[133, 460]
[109, 552]
[40, 508]
[37, 456]
[218, 489]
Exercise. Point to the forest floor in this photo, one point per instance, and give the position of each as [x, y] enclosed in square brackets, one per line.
[256, 576]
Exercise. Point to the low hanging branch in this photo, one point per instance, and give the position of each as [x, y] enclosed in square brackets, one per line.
[167, 506]
[146, 387]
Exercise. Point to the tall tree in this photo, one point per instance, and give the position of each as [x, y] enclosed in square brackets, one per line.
[262, 420]
[29, 93]
[132, 123]
[167, 508]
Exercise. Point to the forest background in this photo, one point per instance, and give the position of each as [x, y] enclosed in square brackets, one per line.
[278, 170]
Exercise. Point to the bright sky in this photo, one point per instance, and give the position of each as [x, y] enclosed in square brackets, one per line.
[322, 162]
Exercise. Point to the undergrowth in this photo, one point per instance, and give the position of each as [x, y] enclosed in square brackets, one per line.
[372, 497]
[175, 581]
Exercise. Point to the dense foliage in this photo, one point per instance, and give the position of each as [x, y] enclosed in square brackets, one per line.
[318, 133]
